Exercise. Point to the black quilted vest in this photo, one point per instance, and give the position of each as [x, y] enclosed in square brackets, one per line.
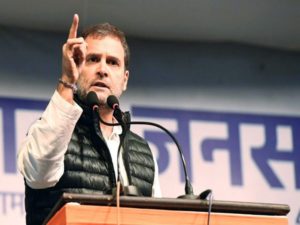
[89, 169]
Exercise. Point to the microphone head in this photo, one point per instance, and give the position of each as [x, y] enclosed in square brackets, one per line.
[113, 102]
[92, 99]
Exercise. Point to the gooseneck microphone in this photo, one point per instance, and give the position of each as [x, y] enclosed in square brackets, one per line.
[93, 102]
[113, 103]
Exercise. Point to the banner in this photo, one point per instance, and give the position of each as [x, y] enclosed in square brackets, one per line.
[240, 156]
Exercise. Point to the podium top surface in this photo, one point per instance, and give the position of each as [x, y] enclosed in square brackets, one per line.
[174, 204]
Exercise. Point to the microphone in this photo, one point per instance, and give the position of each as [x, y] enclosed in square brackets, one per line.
[113, 103]
[93, 102]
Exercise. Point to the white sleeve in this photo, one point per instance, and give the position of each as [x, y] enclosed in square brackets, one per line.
[41, 154]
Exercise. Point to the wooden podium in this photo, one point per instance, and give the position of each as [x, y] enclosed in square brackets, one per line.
[77, 209]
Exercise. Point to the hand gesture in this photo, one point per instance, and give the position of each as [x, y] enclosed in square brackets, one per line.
[73, 54]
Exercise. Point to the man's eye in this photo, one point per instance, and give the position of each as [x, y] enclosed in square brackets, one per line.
[112, 62]
[93, 59]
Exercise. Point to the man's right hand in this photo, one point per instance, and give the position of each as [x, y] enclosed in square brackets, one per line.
[73, 54]
[73, 58]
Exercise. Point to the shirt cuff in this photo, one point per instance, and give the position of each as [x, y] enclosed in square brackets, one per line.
[70, 110]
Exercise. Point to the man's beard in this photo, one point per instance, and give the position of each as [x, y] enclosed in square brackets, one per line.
[82, 94]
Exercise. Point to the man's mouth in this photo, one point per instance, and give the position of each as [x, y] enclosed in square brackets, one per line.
[100, 84]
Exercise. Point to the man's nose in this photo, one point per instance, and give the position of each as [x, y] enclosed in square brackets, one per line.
[102, 69]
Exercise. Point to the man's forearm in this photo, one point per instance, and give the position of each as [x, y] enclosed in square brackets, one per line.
[41, 155]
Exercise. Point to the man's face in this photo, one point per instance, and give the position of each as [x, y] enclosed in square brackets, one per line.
[104, 69]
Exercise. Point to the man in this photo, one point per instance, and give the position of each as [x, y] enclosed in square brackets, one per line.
[63, 151]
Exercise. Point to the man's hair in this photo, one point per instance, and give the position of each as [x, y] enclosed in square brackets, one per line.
[106, 29]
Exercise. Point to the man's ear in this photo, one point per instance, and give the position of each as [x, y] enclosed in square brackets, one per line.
[126, 78]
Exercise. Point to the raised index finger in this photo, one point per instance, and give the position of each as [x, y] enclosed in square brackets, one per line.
[74, 27]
